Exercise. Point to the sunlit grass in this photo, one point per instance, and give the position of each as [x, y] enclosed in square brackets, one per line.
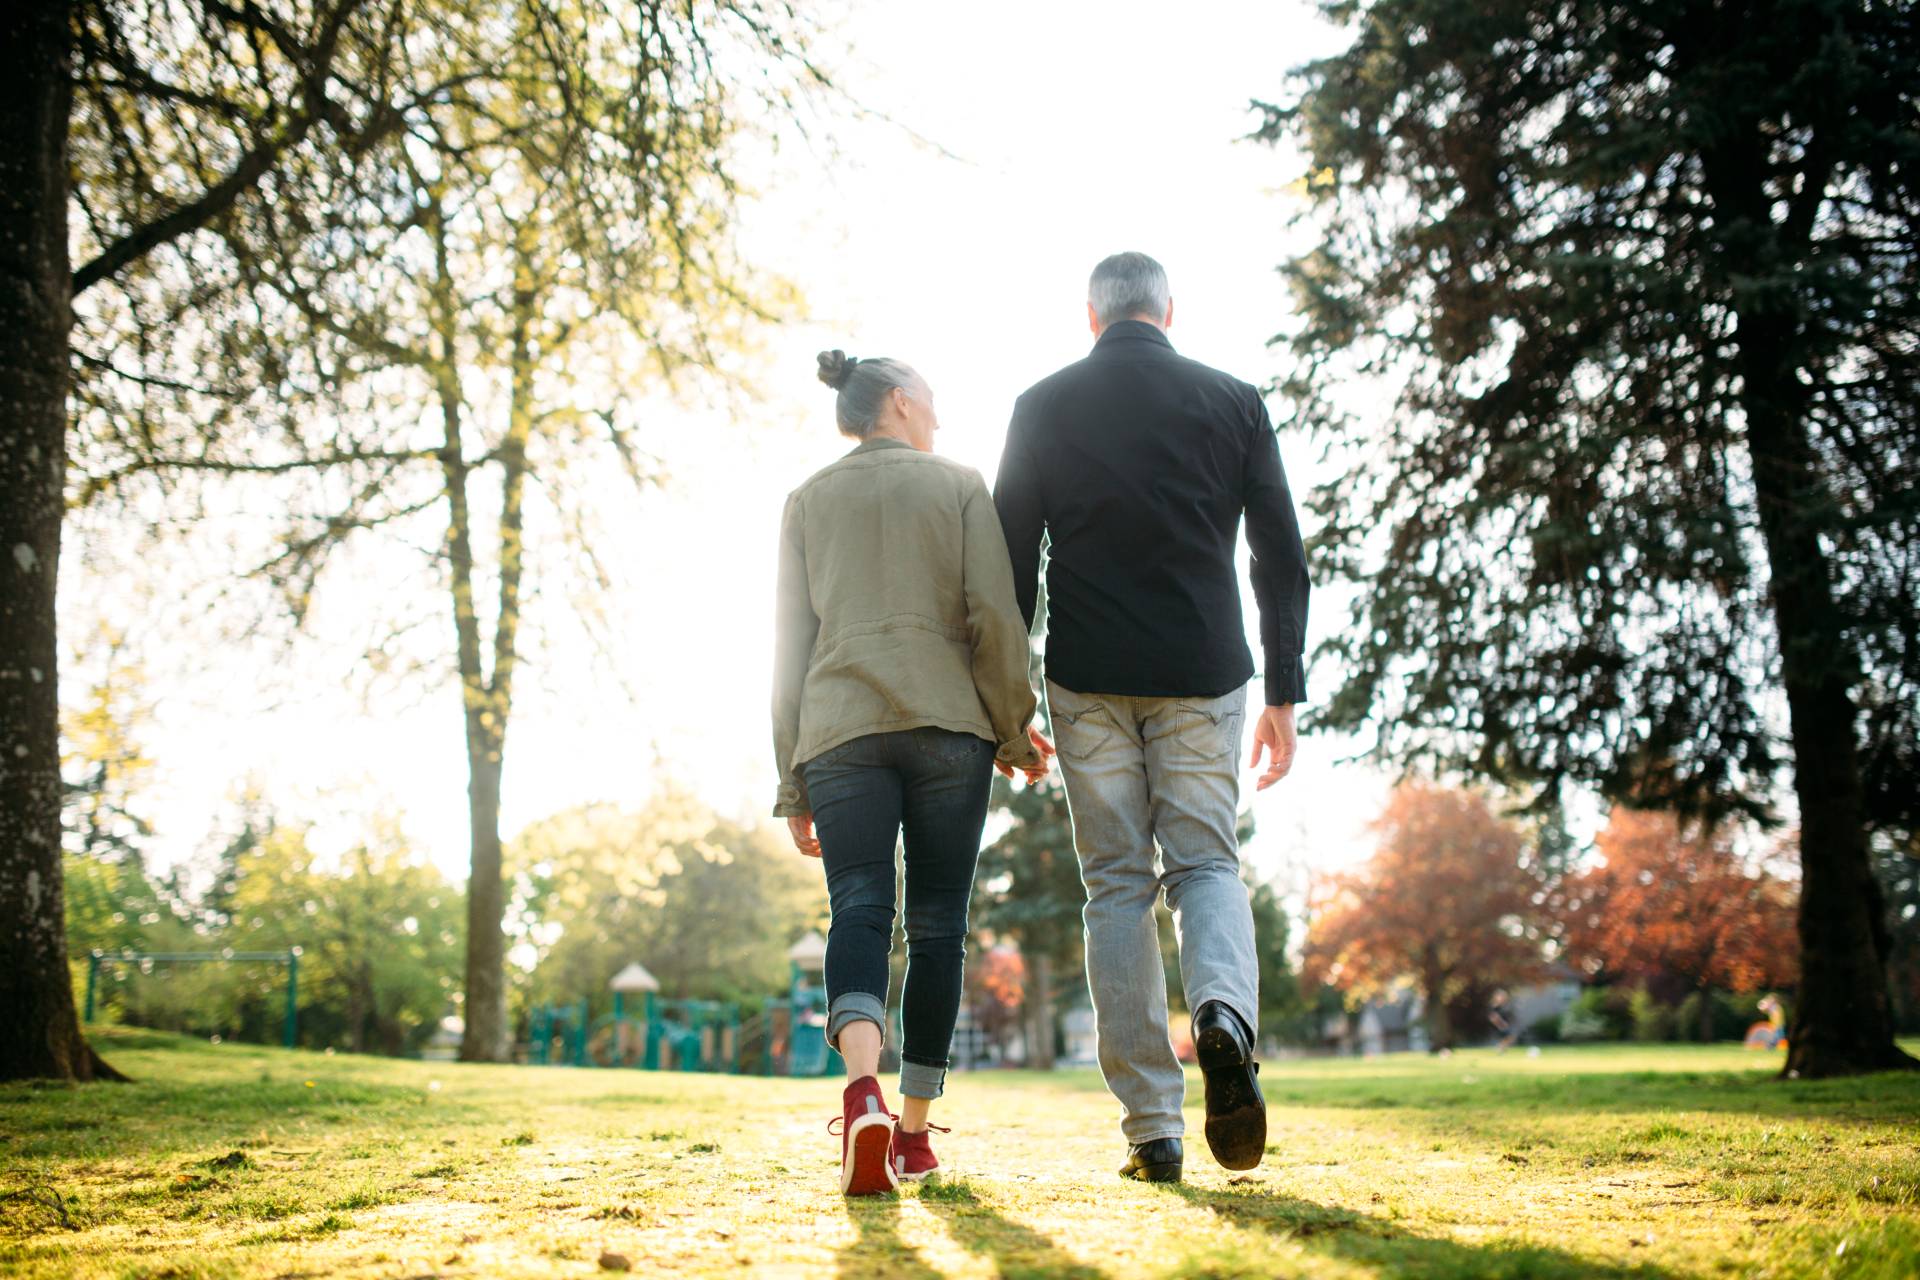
[1658, 1160]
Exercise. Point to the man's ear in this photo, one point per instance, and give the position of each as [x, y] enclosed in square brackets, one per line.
[1168, 323]
[1093, 320]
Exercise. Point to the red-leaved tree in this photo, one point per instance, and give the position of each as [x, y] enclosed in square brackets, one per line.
[1451, 899]
[1677, 910]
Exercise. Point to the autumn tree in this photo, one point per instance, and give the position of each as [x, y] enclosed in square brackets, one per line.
[1646, 276]
[1451, 897]
[1675, 910]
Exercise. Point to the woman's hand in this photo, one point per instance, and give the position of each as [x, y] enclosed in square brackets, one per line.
[801, 829]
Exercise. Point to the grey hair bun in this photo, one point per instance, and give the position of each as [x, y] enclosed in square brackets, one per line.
[836, 367]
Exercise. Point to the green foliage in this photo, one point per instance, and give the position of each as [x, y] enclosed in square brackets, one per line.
[1633, 1013]
[1646, 275]
[381, 932]
[1651, 1019]
[708, 906]
[1897, 863]
[1598, 1013]
[1027, 884]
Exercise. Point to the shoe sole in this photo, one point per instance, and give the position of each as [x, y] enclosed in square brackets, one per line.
[867, 1169]
[924, 1174]
[1236, 1113]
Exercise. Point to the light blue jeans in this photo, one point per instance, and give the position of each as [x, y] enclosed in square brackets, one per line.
[1142, 772]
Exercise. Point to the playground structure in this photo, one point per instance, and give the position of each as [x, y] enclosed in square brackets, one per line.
[787, 1036]
[1772, 1033]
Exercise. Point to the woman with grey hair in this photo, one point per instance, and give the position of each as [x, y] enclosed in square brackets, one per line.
[900, 684]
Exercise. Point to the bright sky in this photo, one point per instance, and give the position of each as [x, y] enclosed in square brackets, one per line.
[1075, 130]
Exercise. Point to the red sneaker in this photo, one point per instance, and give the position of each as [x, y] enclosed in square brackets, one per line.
[866, 1136]
[913, 1157]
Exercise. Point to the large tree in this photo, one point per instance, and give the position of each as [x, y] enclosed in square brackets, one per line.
[545, 238]
[242, 89]
[1452, 898]
[1645, 513]
[1677, 911]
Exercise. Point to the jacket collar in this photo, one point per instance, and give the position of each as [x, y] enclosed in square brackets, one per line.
[1124, 331]
[872, 443]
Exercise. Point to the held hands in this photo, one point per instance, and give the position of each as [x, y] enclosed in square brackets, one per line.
[808, 843]
[1274, 734]
[1040, 770]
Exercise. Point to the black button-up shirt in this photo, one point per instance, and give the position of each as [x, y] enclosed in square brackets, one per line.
[1138, 463]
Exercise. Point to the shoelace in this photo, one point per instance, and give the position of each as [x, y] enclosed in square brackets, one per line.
[931, 1128]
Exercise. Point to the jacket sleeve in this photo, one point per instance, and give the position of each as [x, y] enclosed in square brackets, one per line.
[1016, 494]
[1280, 585]
[993, 623]
[795, 628]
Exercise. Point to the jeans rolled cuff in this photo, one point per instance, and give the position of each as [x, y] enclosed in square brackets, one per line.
[855, 1006]
[918, 1080]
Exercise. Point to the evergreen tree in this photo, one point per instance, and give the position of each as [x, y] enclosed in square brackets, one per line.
[1648, 275]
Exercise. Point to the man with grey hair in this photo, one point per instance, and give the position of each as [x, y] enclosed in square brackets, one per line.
[1137, 466]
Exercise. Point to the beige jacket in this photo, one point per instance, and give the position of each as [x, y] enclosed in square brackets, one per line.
[896, 611]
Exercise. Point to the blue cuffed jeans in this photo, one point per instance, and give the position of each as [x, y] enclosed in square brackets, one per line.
[1147, 776]
[930, 784]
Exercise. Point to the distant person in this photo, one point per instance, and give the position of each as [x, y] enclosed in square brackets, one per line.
[1137, 465]
[900, 684]
[1500, 1018]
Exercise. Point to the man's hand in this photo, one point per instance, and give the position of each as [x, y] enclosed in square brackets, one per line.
[801, 829]
[1039, 771]
[1274, 735]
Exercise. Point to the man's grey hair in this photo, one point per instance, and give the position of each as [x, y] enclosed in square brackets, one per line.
[1128, 285]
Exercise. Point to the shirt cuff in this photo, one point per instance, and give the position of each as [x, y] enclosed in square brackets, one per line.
[1286, 681]
[791, 802]
[1019, 752]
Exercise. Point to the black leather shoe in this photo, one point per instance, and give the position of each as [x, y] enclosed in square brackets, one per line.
[1156, 1161]
[1236, 1113]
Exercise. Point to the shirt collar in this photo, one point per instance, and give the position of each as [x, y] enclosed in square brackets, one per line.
[1132, 331]
[872, 443]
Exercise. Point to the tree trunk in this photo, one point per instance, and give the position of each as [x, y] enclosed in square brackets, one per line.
[43, 1037]
[1842, 1019]
[1039, 1004]
[1439, 1025]
[488, 699]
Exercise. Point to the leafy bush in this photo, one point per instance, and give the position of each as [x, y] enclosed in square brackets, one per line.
[1599, 1013]
[1652, 1020]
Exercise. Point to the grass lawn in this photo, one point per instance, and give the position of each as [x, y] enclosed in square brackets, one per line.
[1621, 1161]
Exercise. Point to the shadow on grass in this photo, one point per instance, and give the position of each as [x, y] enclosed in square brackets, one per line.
[1386, 1249]
[1014, 1249]
[878, 1250]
